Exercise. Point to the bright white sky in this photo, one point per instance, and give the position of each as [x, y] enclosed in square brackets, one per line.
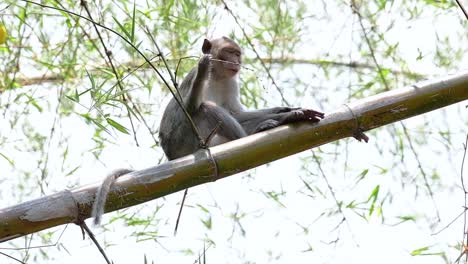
[273, 233]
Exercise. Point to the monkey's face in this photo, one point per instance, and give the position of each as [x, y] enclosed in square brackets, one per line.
[232, 59]
[227, 61]
[226, 55]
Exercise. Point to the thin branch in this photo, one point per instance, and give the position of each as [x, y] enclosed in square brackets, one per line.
[22, 81]
[450, 223]
[330, 188]
[355, 9]
[108, 54]
[421, 169]
[371, 49]
[462, 8]
[6, 255]
[180, 211]
[255, 51]
[194, 127]
[465, 234]
[215, 168]
[163, 58]
[465, 147]
[93, 238]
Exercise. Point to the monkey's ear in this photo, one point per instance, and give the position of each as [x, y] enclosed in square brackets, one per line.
[206, 48]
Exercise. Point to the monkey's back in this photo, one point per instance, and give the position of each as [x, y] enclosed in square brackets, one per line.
[175, 132]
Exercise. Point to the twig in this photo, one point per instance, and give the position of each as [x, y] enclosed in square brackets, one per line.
[195, 129]
[465, 234]
[355, 9]
[353, 64]
[465, 147]
[450, 223]
[421, 169]
[108, 53]
[8, 256]
[371, 49]
[338, 204]
[322, 173]
[180, 211]
[205, 248]
[83, 225]
[178, 65]
[256, 53]
[462, 8]
[215, 167]
[163, 58]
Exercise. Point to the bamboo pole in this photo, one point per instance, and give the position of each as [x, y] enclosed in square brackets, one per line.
[140, 186]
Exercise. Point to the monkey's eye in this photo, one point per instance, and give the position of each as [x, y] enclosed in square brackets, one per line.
[233, 51]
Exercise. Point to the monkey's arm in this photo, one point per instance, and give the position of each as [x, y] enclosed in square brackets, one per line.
[196, 77]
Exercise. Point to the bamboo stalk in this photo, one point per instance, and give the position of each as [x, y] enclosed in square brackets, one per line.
[233, 157]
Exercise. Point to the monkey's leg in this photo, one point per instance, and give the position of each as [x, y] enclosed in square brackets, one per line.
[296, 116]
[261, 120]
[273, 110]
[213, 117]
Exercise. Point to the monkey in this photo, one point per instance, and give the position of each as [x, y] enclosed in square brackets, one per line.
[211, 95]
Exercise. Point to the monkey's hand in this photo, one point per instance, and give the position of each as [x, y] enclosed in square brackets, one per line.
[204, 65]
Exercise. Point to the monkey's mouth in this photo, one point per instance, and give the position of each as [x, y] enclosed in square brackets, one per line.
[233, 68]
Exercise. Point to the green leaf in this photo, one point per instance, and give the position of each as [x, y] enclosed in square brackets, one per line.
[362, 175]
[91, 79]
[117, 126]
[8, 159]
[419, 251]
[88, 118]
[373, 197]
[123, 29]
[204, 209]
[405, 218]
[423, 252]
[208, 223]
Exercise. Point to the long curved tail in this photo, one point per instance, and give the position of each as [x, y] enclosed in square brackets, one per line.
[103, 191]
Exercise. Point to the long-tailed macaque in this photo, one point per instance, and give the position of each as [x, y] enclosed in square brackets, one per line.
[210, 93]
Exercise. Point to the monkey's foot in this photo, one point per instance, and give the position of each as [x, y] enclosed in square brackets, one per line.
[306, 115]
[266, 125]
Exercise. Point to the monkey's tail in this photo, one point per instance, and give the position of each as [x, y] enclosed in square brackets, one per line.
[101, 194]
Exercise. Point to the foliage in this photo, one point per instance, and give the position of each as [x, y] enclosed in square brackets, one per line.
[65, 114]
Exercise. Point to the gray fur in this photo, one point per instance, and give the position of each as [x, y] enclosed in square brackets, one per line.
[211, 97]
[101, 194]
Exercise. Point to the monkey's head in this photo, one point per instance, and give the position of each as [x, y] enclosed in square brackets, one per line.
[223, 49]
